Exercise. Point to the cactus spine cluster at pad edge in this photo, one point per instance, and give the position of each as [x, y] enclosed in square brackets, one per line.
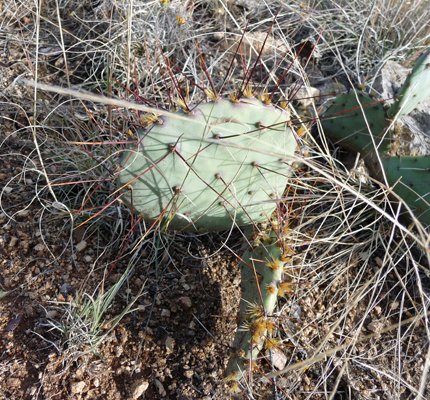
[354, 115]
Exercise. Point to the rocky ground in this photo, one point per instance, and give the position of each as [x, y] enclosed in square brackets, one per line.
[174, 341]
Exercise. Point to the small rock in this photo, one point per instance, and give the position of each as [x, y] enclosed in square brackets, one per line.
[51, 314]
[278, 359]
[23, 213]
[189, 374]
[184, 302]
[160, 388]
[13, 241]
[7, 189]
[165, 313]
[13, 382]
[81, 245]
[138, 282]
[96, 382]
[39, 247]
[138, 388]
[13, 324]
[118, 351]
[170, 344]
[88, 259]
[375, 326]
[307, 96]
[77, 387]
[67, 293]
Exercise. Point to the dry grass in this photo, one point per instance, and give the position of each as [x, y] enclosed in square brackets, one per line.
[364, 293]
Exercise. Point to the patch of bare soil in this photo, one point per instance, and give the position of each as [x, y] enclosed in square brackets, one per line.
[185, 347]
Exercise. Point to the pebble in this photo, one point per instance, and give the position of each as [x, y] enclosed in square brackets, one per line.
[88, 259]
[77, 387]
[189, 374]
[118, 351]
[81, 245]
[13, 241]
[13, 382]
[23, 213]
[170, 344]
[160, 388]
[278, 359]
[138, 388]
[184, 302]
[375, 326]
[39, 247]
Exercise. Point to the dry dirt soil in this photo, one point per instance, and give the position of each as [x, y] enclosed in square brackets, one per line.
[176, 340]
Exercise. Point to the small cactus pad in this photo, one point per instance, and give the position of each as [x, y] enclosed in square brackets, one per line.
[209, 167]
[262, 271]
[346, 126]
[410, 177]
[415, 89]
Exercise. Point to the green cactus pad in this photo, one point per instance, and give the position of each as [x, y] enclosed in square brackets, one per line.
[415, 89]
[184, 172]
[255, 263]
[349, 128]
[414, 184]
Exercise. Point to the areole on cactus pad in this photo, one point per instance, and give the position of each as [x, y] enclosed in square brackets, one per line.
[206, 171]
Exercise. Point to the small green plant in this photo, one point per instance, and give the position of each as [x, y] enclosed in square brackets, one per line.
[361, 124]
[83, 326]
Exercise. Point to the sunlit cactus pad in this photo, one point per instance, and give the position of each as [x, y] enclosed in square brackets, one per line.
[220, 164]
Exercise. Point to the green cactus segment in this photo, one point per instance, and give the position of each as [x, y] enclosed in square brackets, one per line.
[252, 329]
[199, 185]
[415, 89]
[410, 177]
[346, 126]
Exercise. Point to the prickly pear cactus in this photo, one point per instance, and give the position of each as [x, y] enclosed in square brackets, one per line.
[347, 126]
[262, 270]
[415, 89]
[362, 126]
[410, 177]
[211, 168]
